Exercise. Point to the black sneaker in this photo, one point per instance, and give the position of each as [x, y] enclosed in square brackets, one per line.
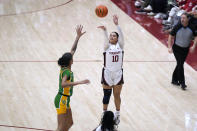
[176, 83]
[141, 12]
[183, 86]
[166, 28]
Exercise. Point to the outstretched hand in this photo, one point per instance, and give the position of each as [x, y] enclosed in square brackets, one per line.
[79, 34]
[115, 19]
[102, 27]
[79, 31]
[86, 81]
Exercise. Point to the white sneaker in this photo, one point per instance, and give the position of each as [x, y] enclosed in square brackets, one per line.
[166, 22]
[148, 8]
[157, 16]
[151, 14]
[137, 4]
[117, 119]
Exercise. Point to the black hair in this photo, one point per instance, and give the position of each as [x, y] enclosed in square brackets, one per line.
[117, 35]
[187, 15]
[107, 121]
[64, 61]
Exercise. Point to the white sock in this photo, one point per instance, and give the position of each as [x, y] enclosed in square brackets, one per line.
[117, 113]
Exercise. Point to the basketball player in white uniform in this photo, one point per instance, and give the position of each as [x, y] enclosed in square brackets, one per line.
[112, 75]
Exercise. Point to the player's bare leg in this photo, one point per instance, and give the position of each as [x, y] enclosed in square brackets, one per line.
[117, 100]
[70, 118]
[65, 121]
[116, 91]
[61, 118]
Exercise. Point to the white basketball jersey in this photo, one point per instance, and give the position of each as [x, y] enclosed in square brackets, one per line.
[113, 58]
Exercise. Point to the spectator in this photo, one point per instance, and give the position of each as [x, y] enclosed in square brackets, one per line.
[184, 6]
[193, 19]
[145, 7]
[189, 5]
[174, 16]
[158, 8]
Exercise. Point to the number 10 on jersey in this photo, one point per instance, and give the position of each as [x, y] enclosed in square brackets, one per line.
[115, 58]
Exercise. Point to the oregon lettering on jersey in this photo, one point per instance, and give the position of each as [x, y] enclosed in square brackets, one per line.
[70, 78]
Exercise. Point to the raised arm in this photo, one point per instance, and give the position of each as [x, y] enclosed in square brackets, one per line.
[79, 34]
[106, 40]
[121, 38]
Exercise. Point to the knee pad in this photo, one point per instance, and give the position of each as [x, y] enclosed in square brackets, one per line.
[107, 94]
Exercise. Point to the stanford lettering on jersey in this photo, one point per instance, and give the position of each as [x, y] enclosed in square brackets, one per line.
[114, 53]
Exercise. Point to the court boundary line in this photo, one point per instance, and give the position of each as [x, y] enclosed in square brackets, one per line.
[51, 61]
[35, 11]
[22, 127]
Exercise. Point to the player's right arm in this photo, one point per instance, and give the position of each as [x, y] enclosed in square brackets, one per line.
[170, 38]
[65, 83]
[106, 40]
[79, 34]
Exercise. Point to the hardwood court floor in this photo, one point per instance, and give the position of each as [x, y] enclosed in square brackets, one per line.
[31, 43]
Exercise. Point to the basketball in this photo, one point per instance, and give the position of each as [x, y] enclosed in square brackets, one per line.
[101, 11]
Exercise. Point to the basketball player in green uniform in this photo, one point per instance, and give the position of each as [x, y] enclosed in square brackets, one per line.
[66, 83]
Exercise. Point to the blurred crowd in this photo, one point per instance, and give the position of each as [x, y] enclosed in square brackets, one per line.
[169, 11]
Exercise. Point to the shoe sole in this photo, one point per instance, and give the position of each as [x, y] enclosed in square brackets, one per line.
[176, 84]
[183, 87]
[141, 13]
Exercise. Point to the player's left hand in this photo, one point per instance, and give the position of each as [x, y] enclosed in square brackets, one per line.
[79, 31]
[170, 50]
[115, 19]
[191, 50]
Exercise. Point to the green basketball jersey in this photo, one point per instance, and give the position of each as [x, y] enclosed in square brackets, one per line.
[70, 78]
